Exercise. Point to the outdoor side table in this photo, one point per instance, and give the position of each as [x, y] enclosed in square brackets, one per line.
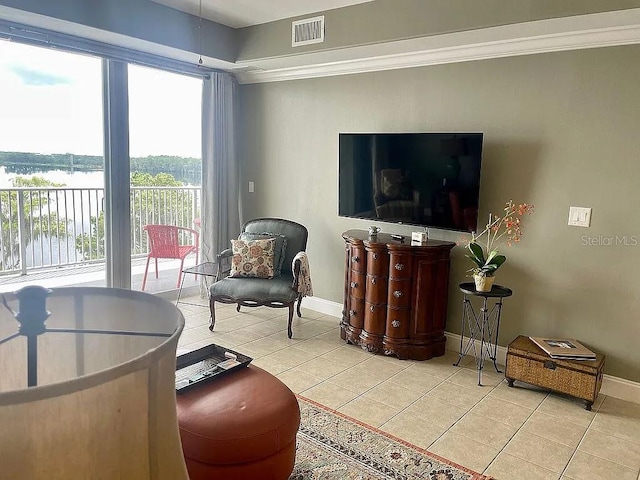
[481, 326]
[208, 269]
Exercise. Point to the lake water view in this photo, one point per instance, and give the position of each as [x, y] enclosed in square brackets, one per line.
[77, 206]
[75, 179]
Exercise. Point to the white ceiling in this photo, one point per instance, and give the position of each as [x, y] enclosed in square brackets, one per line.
[243, 13]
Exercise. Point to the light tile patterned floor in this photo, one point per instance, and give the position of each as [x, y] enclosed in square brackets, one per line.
[510, 433]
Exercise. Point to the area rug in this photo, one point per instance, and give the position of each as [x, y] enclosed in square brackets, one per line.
[333, 446]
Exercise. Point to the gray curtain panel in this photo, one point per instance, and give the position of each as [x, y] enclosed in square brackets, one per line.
[221, 208]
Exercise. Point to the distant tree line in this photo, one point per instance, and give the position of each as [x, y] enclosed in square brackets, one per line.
[186, 169]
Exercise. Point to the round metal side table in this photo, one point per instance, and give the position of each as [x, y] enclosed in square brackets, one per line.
[481, 326]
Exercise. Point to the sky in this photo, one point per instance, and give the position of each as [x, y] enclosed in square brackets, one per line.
[51, 102]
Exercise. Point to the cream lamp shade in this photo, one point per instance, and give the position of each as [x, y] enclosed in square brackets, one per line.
[87, 385]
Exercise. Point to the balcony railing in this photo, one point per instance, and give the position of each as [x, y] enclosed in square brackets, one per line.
[43, 228]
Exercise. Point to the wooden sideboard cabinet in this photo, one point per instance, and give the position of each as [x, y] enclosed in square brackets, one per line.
[395, 295]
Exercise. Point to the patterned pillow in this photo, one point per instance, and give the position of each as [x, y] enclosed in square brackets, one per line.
[280, 248]
[253, 258]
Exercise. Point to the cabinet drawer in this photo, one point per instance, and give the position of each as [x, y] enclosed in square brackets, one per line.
[374, 318]
[400, 265]
[358, 259]
[399, 293]
[356, 313]
[377, 263]
[357, 284]
[397, 322]
[376, 289]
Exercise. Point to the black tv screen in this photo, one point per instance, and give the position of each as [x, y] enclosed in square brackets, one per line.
[425, 179]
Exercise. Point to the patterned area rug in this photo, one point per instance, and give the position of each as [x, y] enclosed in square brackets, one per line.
[332, 446]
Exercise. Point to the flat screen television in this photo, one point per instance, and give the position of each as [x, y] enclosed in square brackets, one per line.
[424, 179]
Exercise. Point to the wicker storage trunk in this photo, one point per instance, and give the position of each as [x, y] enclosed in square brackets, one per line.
[529, 363]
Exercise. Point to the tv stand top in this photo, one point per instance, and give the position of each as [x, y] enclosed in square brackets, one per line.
[393, 239]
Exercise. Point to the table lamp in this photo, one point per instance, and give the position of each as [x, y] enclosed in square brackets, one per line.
[87, 385]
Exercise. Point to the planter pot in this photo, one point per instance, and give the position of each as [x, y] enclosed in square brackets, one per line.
[483, 284]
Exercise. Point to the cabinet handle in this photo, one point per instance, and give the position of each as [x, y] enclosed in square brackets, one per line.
[395, 323]
[354, 284]
[375, 256]
[355, 259]
[397, 294]
[373, 281]
[372, 308]
[399, 266]
[352, 313]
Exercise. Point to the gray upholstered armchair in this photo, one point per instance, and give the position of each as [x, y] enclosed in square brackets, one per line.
[280, 291]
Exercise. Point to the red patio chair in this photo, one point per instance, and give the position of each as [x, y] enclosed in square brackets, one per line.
[164, 242]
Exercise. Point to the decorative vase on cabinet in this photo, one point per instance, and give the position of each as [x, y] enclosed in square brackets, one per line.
[395, 300]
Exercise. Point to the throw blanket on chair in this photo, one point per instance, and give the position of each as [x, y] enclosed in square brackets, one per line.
[304, 279]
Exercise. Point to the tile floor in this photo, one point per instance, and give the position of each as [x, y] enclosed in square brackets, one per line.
[508, 433]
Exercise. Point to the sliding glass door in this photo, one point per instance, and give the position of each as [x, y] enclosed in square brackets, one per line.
[92, 151]
[166, 171]
[51, 167]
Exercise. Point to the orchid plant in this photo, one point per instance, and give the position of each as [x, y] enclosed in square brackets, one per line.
[483, 247]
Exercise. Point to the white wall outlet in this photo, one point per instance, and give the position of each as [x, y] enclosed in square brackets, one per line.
[251, 187]
[580, 216]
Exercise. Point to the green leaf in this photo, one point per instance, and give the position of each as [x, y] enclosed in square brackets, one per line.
[497, 261]
[477, 252]
[475, 260]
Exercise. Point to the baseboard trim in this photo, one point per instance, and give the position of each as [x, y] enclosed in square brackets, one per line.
[321, 305]
[612, 386]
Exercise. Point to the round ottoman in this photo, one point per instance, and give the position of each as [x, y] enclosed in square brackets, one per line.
[241, 426]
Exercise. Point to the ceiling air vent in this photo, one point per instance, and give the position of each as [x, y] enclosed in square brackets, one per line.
[307, 31]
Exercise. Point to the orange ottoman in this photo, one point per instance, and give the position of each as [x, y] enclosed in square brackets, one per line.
[239, 427]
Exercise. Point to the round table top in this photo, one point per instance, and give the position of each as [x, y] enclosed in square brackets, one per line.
[469, 288]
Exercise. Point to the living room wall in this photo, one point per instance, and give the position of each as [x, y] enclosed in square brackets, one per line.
[561, 129]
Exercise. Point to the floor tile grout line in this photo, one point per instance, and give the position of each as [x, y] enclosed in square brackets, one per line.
[514, 434]
[593, 455]
[463, 416]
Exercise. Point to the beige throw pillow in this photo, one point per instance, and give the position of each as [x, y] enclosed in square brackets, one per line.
[252, 258]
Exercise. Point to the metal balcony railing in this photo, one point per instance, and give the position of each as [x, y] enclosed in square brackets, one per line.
[53, 227]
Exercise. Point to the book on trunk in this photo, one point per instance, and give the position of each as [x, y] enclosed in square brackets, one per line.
[564, 348]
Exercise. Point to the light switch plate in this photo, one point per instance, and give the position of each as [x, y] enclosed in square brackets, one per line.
[580, 216]
[252, 187]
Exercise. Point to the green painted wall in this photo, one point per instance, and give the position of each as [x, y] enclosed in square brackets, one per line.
[561, 129]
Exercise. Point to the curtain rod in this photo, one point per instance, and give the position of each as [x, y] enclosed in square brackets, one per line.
[48, 39]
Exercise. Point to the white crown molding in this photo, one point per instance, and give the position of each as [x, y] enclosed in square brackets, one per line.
[553, 35]
[611, 386]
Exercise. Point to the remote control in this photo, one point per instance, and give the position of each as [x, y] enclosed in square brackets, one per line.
[227, 364]
[398, 237]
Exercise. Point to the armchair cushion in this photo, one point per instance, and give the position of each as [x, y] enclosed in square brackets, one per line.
[279, 251]
[252, 258]
[259, 290]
